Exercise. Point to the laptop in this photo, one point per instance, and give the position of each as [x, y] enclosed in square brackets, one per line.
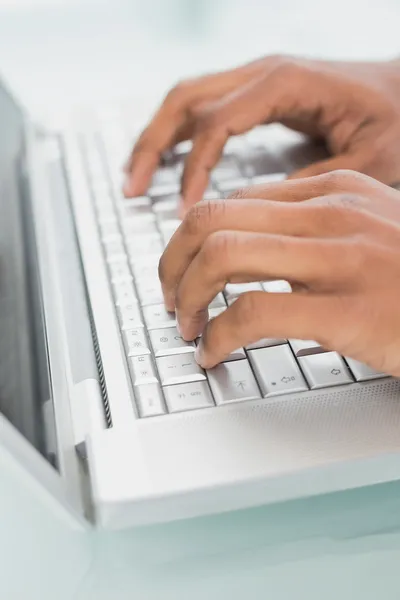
[104, 414]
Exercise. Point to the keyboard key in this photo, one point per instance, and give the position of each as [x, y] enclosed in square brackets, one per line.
[133, 227]
[164, 190]
[362, 372]
[165, 176]
[236, 355]
[150, 291]
[149, 400]
[325, 370]
[169, 341]
[232, 382]
[266, 343]
[146, 268]
[218, 302]
[136, 208]
[226, 169]
[142, 370]
[130, 318]
[179, 368]
[233, 290]
[148, 243]
[136, 342]
[120, 271]
[215, 312]
[114, 250]
[227, 187]
[157, 317]
[188, 396]
[270, 178]
[109, 230]
[277, 287]
[305, 347]
[124, 293]
[277, 371]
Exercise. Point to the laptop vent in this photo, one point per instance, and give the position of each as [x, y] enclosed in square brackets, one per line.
[100, 369]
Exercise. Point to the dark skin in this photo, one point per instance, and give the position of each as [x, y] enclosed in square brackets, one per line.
[330, 231]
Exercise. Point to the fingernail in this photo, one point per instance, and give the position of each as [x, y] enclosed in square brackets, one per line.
[199, 352]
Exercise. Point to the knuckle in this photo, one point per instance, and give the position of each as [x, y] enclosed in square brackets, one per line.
[202, 215]
[180, 91]
[207, 120]
[242, 194]
[217, 251]
[341, 180]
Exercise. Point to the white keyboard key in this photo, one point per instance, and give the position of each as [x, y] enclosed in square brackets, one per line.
[136, 342]
[305, 347]
[325, 370]
[164, 190]
[179, 368]
[157, 317]
[182, 149]
[120, 271]
[142, 370]
[233, 290]
[130, 318]
[149, 243]
[215, 312]
[169, 341]
[150, 292]
[133, 227]
[226, 169]
[114, 250]
[124, 293]
[218, 302]
[149, 400]
[277, 287]
[165, 176]
[277, 371]
[109, 230]
[363, 372]
[270, 178]
[236, 355]
[145, 268]
[188, 396]
[266, 343]
[227, 187]
[232, 382]
[136, 208]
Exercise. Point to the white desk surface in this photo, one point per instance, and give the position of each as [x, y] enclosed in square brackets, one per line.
[59, 54]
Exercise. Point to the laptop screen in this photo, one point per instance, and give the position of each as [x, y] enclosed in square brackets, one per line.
[25, 390]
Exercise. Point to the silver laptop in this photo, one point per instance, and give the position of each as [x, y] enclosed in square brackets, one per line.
[104, 414]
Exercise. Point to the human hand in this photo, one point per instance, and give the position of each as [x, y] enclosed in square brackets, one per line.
[334, 237]
[354, 107]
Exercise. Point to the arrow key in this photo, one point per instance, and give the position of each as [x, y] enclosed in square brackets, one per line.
[233, 382]
[325, 370]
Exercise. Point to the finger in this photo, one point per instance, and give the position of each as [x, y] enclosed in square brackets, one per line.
[253, 215]
[284, 92]
[354, 162]
[243, 256]
[257, 315]
[174, 117]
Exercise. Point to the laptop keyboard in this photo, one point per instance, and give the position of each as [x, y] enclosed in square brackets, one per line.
[165, 376]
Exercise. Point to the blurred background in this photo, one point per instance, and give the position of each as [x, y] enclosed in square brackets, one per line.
[57, 54]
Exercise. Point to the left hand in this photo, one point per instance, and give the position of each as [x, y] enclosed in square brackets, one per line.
[334, 237]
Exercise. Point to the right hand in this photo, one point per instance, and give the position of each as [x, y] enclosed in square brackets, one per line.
[354, 107]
